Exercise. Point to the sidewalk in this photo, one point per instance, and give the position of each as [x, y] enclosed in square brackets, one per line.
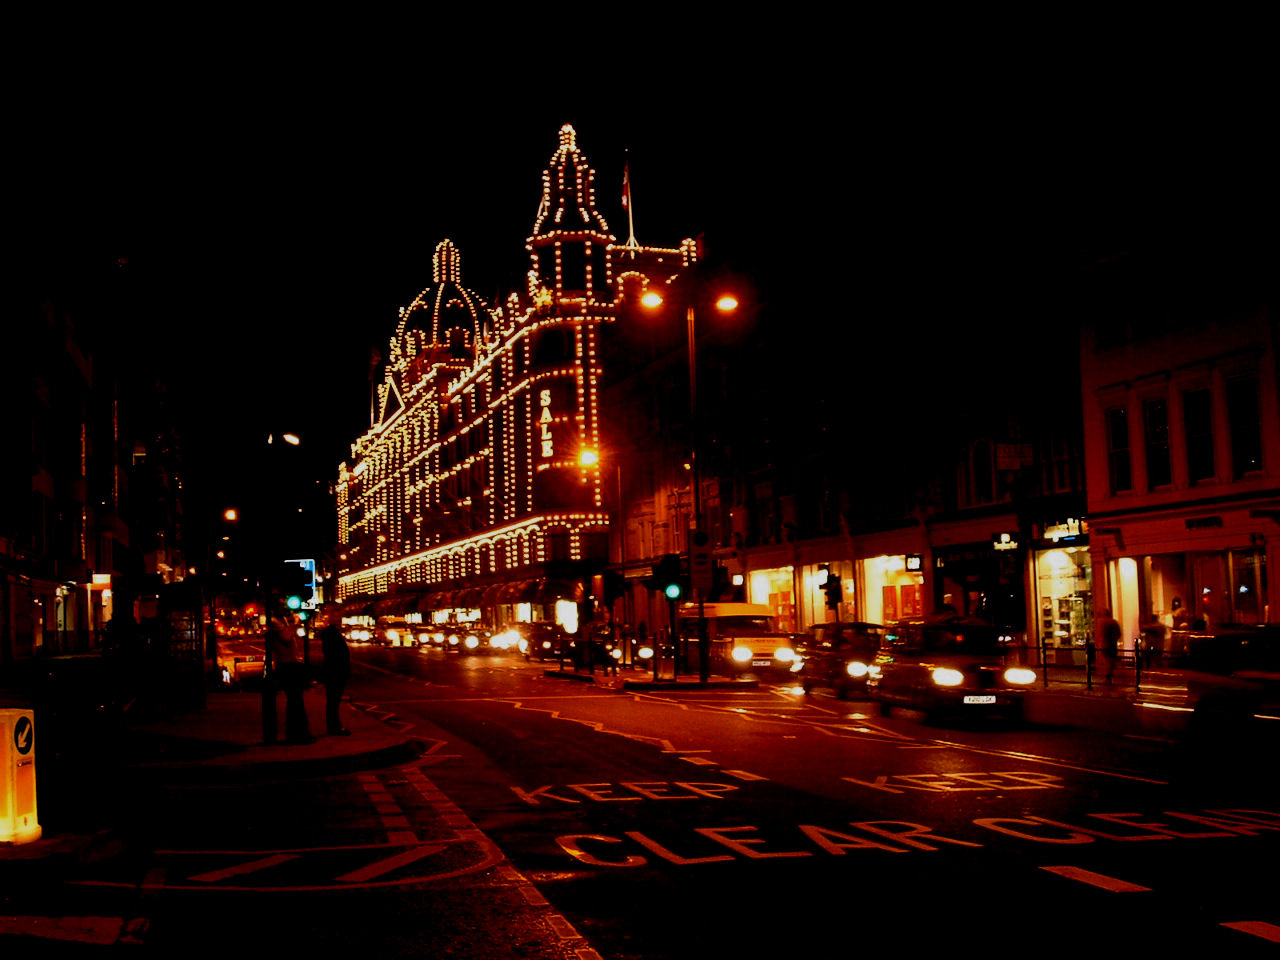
[218, 745]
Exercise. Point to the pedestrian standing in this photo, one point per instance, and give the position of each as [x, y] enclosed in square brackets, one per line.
[336, 672]
[1109, 633]
[290, 674]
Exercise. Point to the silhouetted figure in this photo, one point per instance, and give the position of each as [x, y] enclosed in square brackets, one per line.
[290, 674]
[1109, 634]
[335, 672]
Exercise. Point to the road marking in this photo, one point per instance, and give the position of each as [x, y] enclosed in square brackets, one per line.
[744, 775]
[1257, 928]
[379, 867]
[97, 930]
[1097, 879]
[251, 867]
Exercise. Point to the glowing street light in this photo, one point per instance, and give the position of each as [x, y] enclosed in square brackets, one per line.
[726, 303]
[588, 458]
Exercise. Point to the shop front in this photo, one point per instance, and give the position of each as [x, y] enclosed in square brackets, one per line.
[892, 587]
[776, 586]
[984, 580]
[1063, 576]
[1170, 574]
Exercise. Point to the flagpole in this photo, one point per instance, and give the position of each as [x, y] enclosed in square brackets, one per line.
[626, 202]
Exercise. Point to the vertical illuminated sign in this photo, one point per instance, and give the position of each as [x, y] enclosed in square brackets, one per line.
[544, 421]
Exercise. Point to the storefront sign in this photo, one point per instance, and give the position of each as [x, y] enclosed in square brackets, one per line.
[544, 422]
[1005, 541]
[1063, 531]
[915, 562]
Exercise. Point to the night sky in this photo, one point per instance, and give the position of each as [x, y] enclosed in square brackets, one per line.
[273, 224]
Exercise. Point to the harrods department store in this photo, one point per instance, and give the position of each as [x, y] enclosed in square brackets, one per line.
[479, 483]
[530, 460]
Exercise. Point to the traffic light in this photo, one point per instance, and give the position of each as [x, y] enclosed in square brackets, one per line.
[669, 577]
[296, 584]
[833, 588]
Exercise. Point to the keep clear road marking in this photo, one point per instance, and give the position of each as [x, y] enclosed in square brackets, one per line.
[252, 867]
[1258, 928]
[1097, 879]
[378, 868]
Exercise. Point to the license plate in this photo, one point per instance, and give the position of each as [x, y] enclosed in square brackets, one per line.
[980, 698]
[762, 663]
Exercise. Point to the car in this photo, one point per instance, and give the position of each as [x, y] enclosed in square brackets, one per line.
[744, 639]
[1232, 674]
[947, 665]
[394, 632]
[838, 655]
[545, 641]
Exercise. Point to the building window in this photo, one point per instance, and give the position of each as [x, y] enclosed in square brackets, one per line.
[1246, 430]
[1118, 464]
[1197, 414]
[1155, 417]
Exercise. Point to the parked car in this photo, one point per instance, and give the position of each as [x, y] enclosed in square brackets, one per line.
[947, 664]
[744, 639]
[839, 655]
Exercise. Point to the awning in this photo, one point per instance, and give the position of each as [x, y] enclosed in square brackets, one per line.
[551, 590]
[492, 595]
[520, 591]
[468, 598]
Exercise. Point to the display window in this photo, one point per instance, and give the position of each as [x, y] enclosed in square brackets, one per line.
[1065, 596]
[891, 592]
[776, 587]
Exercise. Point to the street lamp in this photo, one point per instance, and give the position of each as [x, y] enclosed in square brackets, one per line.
[725, 303]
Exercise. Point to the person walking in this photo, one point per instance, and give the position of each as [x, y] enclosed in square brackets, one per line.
[1109, 634]
[336, 671]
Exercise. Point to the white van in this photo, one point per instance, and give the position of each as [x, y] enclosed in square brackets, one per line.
[744, 638]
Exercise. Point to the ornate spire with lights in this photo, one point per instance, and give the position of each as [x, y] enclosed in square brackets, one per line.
[570, 236]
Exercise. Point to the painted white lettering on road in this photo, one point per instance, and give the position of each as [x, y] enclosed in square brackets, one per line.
[954, 782]
[606, 792]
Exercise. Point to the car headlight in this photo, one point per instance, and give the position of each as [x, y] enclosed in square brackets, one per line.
[1020, 675]
[472, 642]
[785, 654]
[873, 670]
[856, 669]
[742, 654]
[947, 677]
[424, 638]
[393, 636]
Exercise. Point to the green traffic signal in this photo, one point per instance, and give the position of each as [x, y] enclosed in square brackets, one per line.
[294, 603]
[672, 591]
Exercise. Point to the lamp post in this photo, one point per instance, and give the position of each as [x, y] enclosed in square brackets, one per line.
[725, 303]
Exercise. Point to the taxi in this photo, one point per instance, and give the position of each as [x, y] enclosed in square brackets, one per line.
[947, 665]
[838, 655]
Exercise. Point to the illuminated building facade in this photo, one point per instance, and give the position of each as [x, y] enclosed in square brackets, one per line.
[1182, 447]
[479, 482]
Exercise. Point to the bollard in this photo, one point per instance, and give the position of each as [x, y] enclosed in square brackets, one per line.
[19, 821]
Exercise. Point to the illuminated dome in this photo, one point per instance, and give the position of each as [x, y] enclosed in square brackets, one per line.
[444, 321]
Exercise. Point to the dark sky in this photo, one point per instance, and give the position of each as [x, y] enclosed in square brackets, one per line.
[273, 224]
